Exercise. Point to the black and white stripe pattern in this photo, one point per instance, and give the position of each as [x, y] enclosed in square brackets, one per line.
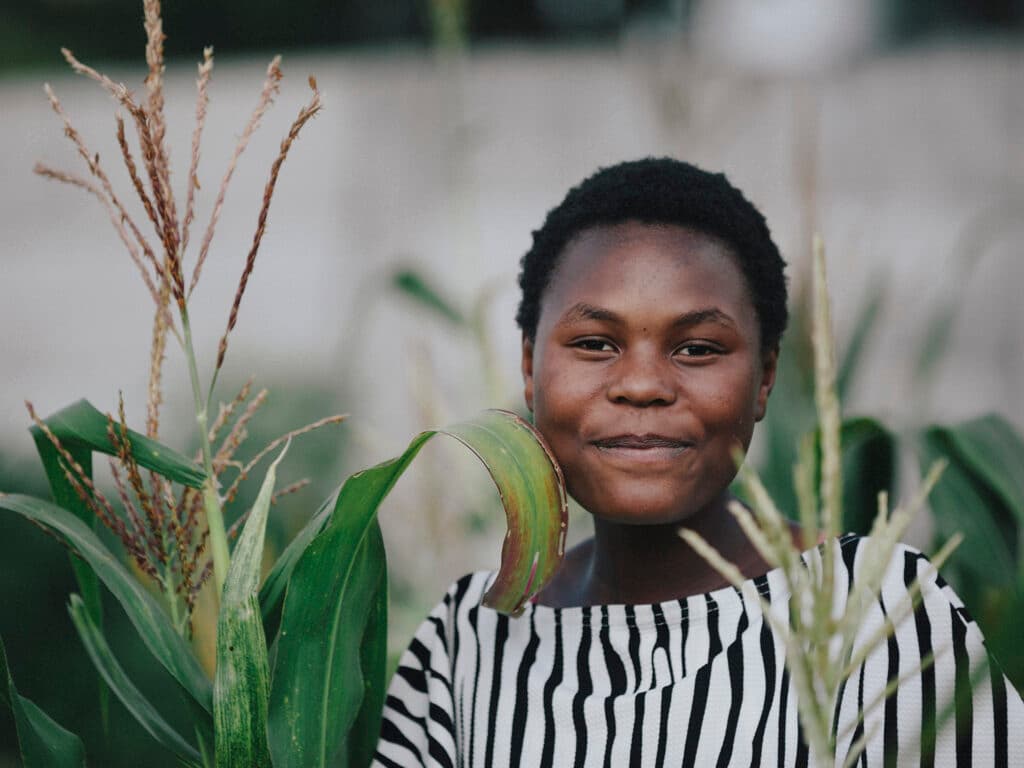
[694, 682]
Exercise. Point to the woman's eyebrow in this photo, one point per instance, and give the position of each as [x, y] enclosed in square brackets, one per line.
[583, 311]
[708, 315]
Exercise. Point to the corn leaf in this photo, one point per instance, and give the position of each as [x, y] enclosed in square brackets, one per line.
[960, 502]
[982, 493]
[42, 742]
[868, 466]
[145, 614]
[994, 452]
[80, 424]
[134, 701]
[372, 656]
[273, 589]
[242, 685]
[415, 286]
[320, 712]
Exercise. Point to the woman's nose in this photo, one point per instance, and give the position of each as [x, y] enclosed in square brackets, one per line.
[642, 378]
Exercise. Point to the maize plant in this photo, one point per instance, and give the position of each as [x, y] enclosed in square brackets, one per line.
[299, 669]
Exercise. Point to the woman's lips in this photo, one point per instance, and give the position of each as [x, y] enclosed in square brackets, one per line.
[644, 448]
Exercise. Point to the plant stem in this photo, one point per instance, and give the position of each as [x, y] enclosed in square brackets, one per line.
[211, 500]
[172, 598]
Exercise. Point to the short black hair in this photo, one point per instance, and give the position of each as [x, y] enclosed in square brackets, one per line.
[661, 191]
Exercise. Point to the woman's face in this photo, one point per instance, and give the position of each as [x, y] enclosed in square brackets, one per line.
[646, 371]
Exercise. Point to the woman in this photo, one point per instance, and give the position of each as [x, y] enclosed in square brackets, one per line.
[653, 304]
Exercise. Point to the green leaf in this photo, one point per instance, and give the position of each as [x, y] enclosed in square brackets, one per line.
[790, 416]
[869, 466]
[145, 614]
[373, 660]
[242, 685]
[319, 687]
[273, 589]
[982, 494]
[119, 682]
[994, 452]
[41, 740]
[959, 502]
[415, 286]
[81, 425]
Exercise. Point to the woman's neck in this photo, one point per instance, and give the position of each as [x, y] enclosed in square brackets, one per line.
[635, 564]
[649, 564]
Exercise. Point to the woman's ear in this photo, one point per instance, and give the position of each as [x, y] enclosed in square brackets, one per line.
[527, 369]
[769, 367]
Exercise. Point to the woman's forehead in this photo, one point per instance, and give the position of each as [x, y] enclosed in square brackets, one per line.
[644, 262]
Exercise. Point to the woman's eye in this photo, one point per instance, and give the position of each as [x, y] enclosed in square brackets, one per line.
[696, 350]
[594, 345]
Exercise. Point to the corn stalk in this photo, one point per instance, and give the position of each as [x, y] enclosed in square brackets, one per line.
[819, 633]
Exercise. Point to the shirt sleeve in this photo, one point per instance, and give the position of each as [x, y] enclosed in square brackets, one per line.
[952, 704]
[418, 723]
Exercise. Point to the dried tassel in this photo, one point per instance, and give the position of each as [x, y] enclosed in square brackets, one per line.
[155, 108]
[226, 411]
[133, 174]
[202, 99]
[270, 87]
[150, 504]
[238, 434]
[157, 354]
[305, 114]
[232, 491]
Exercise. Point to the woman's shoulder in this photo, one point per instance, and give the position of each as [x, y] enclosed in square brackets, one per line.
[462, 596]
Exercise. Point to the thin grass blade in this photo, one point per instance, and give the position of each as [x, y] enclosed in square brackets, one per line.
[117, 680]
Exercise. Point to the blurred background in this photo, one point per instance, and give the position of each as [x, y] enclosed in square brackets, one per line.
[385, 287]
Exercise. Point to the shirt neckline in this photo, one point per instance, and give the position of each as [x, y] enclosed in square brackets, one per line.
[723, 601]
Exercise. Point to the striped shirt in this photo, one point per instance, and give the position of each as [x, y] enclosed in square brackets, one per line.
[699, 681]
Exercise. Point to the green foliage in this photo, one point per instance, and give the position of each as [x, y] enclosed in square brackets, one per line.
[868, 467]
[982, 494]
[44, 743]
[330, 662]
[322, 700]
[81, 425]
[105, 661]
[146, 615]
[242, 686]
